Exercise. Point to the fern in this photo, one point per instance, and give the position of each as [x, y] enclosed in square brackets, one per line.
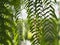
[41, 17]
[34, 20]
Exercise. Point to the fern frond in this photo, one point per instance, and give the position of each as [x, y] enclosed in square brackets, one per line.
[41, 17]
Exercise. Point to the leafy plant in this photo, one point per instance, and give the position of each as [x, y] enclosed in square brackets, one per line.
[41, 22]
[8, 30]
[41, 17]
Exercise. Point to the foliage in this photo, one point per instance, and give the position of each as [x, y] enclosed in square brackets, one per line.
[41, 17]
[8, 30]
[41, 22]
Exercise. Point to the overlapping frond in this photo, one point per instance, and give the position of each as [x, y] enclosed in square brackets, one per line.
[41, 17]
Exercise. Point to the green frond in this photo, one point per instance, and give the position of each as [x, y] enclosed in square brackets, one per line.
[41, 17]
